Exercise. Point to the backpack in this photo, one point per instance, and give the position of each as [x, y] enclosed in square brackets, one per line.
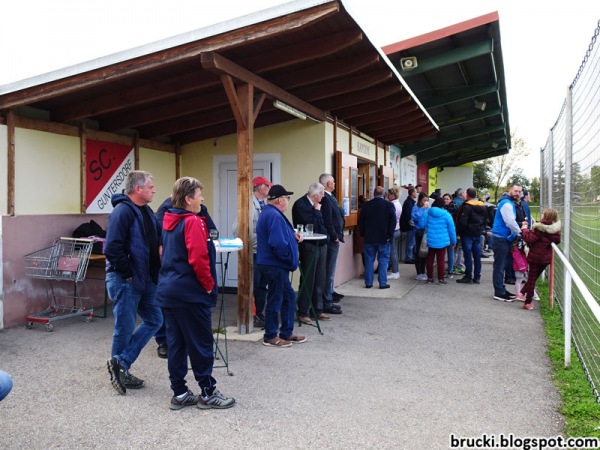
[92, 229]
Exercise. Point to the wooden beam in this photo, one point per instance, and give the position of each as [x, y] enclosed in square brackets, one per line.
[328, 71]
[10, 163]
[245, 139]
[72, 130]
[174, 55]
[381, 104]
[378, 117]
[220, 65]
[121, 98]
[361, 98]
[83, 168]
[177, 108]
[348, 85]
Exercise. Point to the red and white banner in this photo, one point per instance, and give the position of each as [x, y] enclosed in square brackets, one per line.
[107, 168]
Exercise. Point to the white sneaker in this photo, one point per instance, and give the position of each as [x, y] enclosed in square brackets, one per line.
[536, 296]
[394, 276]
[422, 277]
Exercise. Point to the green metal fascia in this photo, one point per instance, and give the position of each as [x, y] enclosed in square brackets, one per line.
[448, 58]
[459, 95]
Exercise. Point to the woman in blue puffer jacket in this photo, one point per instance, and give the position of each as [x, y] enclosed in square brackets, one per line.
[441, 233]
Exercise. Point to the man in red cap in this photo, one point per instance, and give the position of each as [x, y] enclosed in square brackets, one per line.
[260, 188]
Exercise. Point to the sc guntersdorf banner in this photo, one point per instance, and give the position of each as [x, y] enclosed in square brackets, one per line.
[107, 168]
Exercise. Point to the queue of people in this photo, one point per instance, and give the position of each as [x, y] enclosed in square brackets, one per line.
[162, 268]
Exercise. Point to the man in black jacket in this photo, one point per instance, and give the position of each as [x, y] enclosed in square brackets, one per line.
[407, 227]
[470, 226]
[313, 256]
[333, 217]
[376, 224]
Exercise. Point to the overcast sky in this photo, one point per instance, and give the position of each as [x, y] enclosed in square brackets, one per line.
[543, 43]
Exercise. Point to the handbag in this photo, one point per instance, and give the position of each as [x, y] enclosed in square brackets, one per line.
[519, 260]
[423, 248]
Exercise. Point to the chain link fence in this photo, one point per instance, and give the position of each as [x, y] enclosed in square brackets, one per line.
[570, 183]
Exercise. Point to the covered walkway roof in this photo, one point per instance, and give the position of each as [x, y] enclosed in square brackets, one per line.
[310, 55]
[458, 75]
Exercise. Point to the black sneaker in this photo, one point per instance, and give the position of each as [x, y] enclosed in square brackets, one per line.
[189, 400]
[216, 401]
[114, 369]
[131, 381]
[506, 297]
[476, 281]
[162, 351]
[258, 322]
[465, 280]
[333, 310]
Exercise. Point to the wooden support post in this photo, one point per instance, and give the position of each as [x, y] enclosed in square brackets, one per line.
[245, 144]
[83, 168]
[10, 163]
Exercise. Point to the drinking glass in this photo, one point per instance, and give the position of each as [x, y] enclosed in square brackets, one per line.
[309, 229]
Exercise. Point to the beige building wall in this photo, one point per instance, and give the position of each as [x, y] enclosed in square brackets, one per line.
[302, 146]
[162, 166]
[47, 168]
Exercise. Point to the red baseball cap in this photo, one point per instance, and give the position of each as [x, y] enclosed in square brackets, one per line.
[261, 180]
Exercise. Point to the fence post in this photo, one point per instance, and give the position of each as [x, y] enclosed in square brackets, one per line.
[551, 283]
[567, 313]
[567, 221]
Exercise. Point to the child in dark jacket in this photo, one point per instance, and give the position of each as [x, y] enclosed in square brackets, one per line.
[539, 239]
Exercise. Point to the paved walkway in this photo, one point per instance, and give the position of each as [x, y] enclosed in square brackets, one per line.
[402, 368]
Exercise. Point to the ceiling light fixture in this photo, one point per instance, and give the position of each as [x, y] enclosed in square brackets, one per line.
[289, 109]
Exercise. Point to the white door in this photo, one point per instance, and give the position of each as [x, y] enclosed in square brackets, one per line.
[226, 201]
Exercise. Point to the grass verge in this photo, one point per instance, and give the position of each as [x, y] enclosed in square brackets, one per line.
[582, 413]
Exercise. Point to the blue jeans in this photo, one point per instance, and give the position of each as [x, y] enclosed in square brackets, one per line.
[189, 333]
[382, 252]
[409, 253]
[471, 246]
[129, 340]
[394, 251]
[501, 250]
[281, 302]
[333, 249]
[260, 290]
[6, 384]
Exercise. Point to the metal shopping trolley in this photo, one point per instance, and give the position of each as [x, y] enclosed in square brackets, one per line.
[66, 260]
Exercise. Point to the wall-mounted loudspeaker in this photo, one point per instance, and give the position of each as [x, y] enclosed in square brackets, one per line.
[408, 63]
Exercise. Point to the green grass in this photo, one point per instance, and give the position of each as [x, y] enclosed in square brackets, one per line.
[582, 413]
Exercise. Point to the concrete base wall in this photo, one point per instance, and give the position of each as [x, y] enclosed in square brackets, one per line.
[22, 235]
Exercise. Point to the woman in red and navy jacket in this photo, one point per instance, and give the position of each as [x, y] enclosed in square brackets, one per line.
[187, 291]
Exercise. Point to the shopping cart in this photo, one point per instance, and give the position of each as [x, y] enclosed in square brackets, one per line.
[66, 260]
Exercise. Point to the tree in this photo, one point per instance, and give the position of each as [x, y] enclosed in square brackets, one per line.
[481, 176]
[501, 167]
[518, 177]
[534, 190]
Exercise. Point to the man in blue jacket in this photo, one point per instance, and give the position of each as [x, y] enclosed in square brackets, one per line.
[132, 265]
[276, 257]
[504, 232]
[376, 223]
